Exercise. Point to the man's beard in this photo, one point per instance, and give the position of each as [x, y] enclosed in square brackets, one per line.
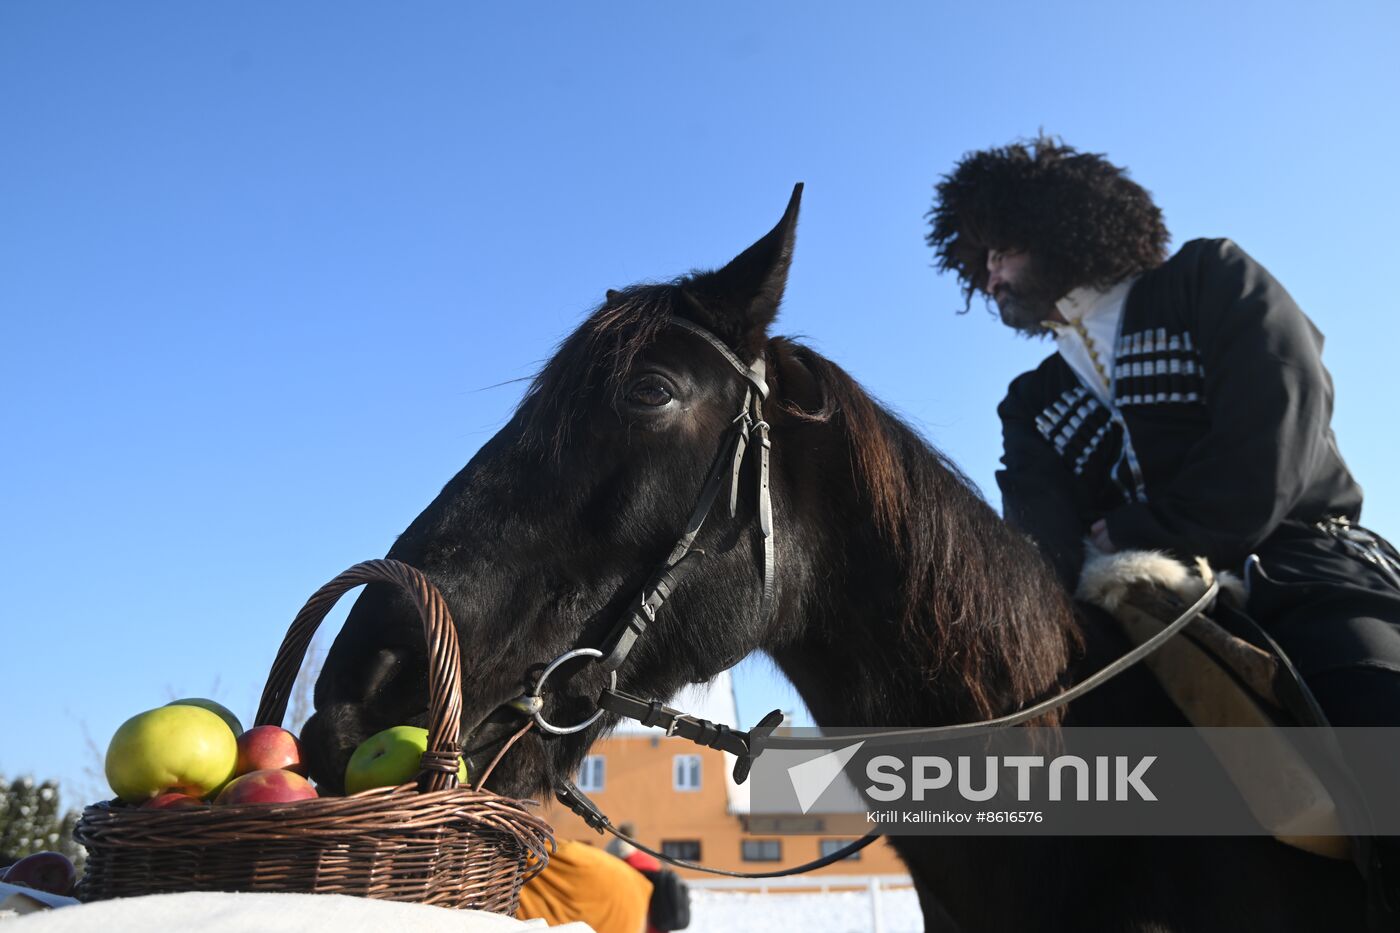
[1027, 304]
[1024, 313]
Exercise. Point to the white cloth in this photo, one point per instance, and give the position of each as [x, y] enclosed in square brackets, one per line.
[215, 912]
[1100, 311]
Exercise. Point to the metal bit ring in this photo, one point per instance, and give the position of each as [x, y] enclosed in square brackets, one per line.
[550, 669]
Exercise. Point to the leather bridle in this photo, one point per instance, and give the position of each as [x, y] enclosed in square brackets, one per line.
[748, 430]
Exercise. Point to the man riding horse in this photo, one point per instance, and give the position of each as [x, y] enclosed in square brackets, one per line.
[1186, 409]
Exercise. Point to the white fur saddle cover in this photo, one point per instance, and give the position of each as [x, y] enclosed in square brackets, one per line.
[1217, 680]
[1108, 579]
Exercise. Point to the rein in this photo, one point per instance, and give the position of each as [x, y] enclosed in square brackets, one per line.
[748, 427]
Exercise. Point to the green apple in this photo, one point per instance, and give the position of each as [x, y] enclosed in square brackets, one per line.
[223, 711]
[391, 758]
[186, 749]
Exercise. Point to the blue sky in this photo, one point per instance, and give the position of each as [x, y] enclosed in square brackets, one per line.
[267, 270]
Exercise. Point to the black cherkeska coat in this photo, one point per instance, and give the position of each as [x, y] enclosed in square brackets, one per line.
[1220, 446]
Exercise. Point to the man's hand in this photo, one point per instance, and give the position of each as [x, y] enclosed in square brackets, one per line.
[1098, 535]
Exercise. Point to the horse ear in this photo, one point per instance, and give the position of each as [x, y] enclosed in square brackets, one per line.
[740, 301]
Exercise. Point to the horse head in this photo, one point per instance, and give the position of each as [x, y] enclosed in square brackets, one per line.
[549, 535]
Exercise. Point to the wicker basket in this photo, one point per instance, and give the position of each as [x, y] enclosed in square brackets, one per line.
[430, 843]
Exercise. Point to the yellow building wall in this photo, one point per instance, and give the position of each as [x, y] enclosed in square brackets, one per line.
[638, 789]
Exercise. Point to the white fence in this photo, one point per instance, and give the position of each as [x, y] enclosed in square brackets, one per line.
[873, 885]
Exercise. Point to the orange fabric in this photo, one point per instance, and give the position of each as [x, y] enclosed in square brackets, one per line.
[588, 884]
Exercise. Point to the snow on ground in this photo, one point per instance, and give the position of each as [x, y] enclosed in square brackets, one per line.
[833, 912]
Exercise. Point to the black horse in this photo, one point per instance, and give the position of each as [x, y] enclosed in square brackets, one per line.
[900, 598]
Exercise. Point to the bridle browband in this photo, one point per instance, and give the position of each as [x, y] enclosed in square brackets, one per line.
[747, 428]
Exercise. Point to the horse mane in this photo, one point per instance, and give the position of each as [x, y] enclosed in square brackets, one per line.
[976, 598]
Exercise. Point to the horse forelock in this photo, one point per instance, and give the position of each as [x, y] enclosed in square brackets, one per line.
[596, 356]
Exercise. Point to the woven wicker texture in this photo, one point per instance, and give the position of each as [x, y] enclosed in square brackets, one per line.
[429, 843]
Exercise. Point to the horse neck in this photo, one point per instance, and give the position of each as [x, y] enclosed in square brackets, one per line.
[955, 617]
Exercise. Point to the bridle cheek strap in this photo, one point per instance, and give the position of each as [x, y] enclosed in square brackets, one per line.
[765, 512]
[748, 432]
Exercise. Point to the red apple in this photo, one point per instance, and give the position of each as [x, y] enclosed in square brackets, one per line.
[44, 871]
[264, 748]
[271, 785]
[172, 800]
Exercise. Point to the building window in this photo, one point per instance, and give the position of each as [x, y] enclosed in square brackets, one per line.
[686, 849]
[590, 774]
[829, 846]
[685, 772]
[762, 850]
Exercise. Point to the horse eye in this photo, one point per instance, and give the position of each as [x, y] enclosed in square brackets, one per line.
[649, 392]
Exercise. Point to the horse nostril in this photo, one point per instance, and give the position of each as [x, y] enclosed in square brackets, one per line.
[329, 738]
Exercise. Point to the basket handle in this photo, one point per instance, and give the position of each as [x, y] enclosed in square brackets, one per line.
[444, 661]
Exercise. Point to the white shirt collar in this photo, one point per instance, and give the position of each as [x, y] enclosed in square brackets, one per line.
[1084, 304]
[1088, 348]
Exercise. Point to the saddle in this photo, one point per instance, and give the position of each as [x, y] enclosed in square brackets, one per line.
[1218, 679]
